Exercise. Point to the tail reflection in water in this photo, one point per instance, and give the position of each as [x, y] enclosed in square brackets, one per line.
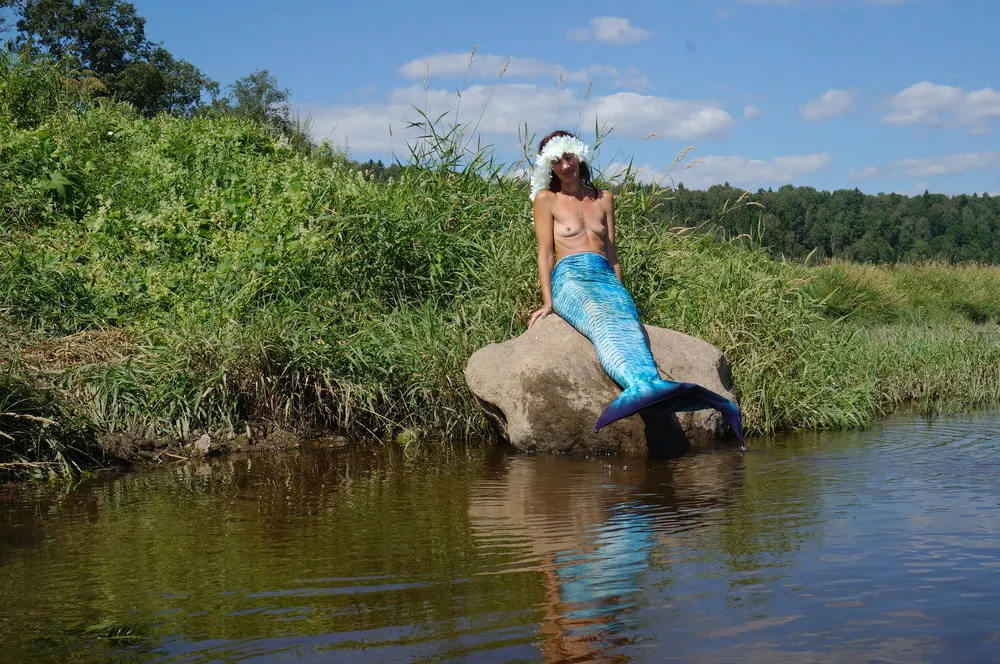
[599, 534]
[589, 594]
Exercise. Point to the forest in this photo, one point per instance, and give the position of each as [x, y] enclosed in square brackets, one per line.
[799, 222]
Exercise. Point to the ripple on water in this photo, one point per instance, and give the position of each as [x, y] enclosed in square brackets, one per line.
[878, 545]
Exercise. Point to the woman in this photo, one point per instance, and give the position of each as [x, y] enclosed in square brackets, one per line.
[581, 280]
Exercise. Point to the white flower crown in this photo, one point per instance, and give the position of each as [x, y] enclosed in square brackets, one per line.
[541, 176]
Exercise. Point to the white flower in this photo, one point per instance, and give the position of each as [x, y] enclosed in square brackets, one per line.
[541, 175]
[111, 133]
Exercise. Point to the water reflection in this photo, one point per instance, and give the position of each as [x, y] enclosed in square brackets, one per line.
[882, 545]
[595, 530]
[246, 557]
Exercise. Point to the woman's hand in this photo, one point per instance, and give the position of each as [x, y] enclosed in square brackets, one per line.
[541, 313]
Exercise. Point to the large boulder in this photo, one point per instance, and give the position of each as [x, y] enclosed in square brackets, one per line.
[545, 390]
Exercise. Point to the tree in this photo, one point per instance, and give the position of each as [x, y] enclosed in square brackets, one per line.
[106, 39]
[258, 96]
[161, 84]
[99, 35]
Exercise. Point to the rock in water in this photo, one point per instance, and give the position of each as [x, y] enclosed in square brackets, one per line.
[545, 390]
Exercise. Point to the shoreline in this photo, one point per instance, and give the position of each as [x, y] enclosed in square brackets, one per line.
[129, 450]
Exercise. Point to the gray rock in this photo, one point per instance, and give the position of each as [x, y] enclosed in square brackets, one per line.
[546, 389]
[203, 445]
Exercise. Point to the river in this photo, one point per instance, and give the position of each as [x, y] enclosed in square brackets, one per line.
[880, 545]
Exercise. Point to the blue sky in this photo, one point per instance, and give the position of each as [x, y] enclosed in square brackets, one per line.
[884, 95]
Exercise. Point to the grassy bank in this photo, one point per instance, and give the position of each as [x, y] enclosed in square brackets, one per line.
[929, 333]
[168, 276]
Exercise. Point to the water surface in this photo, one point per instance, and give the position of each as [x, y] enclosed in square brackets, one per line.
[873, 546]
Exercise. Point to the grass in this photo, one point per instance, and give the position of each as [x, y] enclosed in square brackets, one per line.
[171, 276]
[931, 369]
[926, 292]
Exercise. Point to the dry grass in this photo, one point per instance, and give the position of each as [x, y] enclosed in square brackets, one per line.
[81, 348]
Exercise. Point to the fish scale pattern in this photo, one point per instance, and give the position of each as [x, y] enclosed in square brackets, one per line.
[587, 294]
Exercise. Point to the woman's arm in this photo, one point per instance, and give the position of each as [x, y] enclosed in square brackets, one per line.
[542, 212]
[609, 244]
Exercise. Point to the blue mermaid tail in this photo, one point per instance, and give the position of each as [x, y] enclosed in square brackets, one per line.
[587, 294]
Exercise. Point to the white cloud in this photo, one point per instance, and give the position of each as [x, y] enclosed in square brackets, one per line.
[737, 171]
[500, 109]
[609, 29]
[365, 128]
[486, 66]
[947, 164]
[942, 106]
[635, 114]
[477, 66]
[751, 112]
[829, 105]
[926, 167]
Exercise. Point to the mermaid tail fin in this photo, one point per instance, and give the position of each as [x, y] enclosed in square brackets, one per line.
[672, 396]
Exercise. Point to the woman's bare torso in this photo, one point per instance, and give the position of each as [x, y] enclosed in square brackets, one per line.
[579, 225]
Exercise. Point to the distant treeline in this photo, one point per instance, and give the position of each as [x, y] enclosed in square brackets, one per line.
[882, 228]
[796, 222]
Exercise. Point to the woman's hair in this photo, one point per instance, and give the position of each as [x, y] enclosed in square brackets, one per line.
[554, 184]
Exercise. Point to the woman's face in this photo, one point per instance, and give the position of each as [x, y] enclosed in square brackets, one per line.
[566, 167]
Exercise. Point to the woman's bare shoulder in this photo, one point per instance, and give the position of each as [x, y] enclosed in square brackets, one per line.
[544, 200]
